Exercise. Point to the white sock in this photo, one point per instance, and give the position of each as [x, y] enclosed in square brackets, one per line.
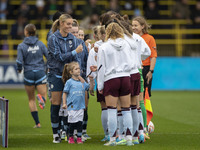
[127, 122]
[135, 118]
[55, 135]
[120, 124]
[141, 123]
[104, 120]
[112, 122]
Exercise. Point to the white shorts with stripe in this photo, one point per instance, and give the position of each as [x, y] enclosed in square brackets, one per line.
[75, 115]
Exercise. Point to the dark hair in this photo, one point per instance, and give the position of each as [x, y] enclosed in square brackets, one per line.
[31, 29]
[57, 15]
[75, 23]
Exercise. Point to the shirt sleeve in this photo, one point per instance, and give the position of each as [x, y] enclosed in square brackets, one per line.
[152, 45]
[54, 48]
[67, 86]
[45, 51]
[91, 62]
[19, 59]
[145, 50]
[86, 86]
[101, 69]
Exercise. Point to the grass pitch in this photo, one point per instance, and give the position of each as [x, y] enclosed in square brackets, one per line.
[176, 119]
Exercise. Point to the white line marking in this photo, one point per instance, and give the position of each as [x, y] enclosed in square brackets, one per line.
[103, 134]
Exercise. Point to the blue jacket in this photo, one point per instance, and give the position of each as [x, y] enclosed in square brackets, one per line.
[30, 54]
[49, 34]
[60, 51]
[82, 58]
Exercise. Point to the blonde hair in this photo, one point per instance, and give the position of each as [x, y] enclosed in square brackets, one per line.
[114, 31]
[62, 18]
[144, 23]
[66, 71]
[98, 32]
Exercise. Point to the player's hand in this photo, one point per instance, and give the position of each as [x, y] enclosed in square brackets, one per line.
[79, 48]
[148, 76]
[64, 106]
[101, 91]
[93, 68]
[87, 42]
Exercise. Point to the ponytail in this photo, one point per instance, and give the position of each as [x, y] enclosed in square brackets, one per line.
[65, 75]
[55, 25]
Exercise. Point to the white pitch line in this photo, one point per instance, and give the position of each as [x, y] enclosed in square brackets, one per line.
[103, 134]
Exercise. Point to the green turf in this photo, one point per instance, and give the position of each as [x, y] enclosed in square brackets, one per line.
[176, 119]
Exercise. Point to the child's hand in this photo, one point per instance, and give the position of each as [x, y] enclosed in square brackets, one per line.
[64, 106]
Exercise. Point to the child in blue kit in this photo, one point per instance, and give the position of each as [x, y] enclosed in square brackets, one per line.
[74, 99]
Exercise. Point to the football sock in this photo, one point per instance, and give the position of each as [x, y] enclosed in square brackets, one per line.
[55, 118]
[127, 122]
[141, 125]
[35, 117]
[79, 128]
[120, 125]
[104, 120]
[135, 118]
[85, 119]
[66, 124]
[72, 126]
[112, 122]
[144, 113]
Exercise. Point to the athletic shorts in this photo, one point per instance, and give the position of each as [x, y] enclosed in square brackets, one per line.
[100, 97]
[117, 87]
[141, 81]
[36, 77]
[75, 115]
[145, 70]
[135, 84]
[55, 82]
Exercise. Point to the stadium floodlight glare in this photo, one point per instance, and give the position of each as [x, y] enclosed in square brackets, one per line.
[4, 122]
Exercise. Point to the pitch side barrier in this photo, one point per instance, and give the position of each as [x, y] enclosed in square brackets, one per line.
[9, 78]
[4, 122]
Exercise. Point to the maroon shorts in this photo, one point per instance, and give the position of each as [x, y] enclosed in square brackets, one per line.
[100, 97]
[117, 87]
[135, 84]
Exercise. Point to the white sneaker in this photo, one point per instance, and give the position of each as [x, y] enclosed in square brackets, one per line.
[83, 138]
[129, 143]
[110, 143]
[56, 140]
